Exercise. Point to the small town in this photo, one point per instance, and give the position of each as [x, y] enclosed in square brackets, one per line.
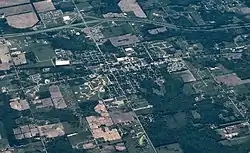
[124, 76]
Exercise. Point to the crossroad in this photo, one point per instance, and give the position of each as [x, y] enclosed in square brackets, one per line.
[119, 86]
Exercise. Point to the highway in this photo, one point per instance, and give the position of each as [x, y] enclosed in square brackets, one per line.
[44, 30]
[95, 20]
[143, 21]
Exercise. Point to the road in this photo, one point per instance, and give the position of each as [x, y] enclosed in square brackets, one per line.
[119, 86]
[232, 102]
[143, 21]
[95, 20]
[22, 89]
[44, 30]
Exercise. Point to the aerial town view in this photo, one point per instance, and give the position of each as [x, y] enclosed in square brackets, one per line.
[124, 76]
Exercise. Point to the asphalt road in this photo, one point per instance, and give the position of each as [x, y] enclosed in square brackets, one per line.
[144, 21]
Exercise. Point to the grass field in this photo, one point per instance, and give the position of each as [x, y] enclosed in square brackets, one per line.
[3, 141]
[42, 64]
[80, 138]
[7, 83]
[43, 52]
[32, 147]
[171, 148]
[188, 89]
[117, 30]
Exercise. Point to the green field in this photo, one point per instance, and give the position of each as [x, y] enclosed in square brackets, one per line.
[117, 30]
[3, 141]
[171, 148]
[43, 52]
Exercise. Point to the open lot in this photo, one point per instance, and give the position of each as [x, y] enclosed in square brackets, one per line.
[114, 31]
[42, 52]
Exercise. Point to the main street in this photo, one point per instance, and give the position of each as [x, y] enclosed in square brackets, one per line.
[119, 86]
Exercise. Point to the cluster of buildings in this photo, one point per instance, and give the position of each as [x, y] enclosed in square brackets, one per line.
[235, 131]
[101, 125]
[30, 131]
[57, 97]
[117, 69]
[113, 122]
[10, 57]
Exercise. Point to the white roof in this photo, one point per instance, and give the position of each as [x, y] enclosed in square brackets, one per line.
[66, 18]
[62, 62]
